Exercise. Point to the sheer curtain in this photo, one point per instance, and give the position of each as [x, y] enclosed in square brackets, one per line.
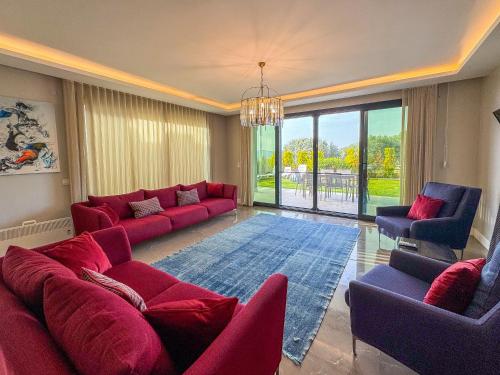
[120, 142]
[419, 127]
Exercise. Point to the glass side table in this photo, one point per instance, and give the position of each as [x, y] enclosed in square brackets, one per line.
[428, 249]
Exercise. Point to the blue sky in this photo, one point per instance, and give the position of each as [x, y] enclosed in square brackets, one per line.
[343, 128]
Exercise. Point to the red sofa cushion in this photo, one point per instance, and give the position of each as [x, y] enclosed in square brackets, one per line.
[166, 196]
[216, 206]
[182, 291]
[144, 279]
[215, 189]
[80, 251]
[25, 271]
[186, 215]
[425, 208]
[27, 347]
[119, 203]
[188, 327]
[200, 186]
[454, 288]
[100, 332]
[146, 227]
[229, 191]
[116, 287]
[106, 208]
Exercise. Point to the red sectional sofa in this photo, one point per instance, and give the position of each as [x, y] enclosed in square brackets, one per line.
[250, 344]
[213, 202]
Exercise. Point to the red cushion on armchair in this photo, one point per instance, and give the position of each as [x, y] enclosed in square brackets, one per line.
[425, 207]
[454, 288]
[188, 327]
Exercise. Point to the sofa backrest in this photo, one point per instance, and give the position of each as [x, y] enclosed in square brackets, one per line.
[26, 346]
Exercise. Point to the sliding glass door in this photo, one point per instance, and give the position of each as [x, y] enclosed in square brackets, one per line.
[264, 139]
[338, 162]
[344, 161]
[382, 158]
[297, 159]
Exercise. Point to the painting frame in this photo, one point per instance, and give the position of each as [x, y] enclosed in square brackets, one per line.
[28, 137]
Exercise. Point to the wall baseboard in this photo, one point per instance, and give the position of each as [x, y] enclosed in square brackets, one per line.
[480, 237]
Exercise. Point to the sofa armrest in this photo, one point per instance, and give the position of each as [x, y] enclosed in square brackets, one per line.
[231, 192]
[393, 210]
[422, 336]
[115, 243]
[252, 341]
[87, 219]
[418, 266]
[439, 230]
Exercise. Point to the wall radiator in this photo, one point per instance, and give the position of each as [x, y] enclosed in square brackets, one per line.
[32, 233]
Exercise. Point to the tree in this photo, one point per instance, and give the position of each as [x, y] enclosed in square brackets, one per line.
[288, 158]
[389, 161]
[270, 162]
[352, 157]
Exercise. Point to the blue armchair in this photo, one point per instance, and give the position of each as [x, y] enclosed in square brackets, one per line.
[387, 312]
[451, 227]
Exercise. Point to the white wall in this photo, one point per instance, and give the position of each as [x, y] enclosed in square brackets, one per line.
[488, 163]
[34, 196]
[458, 117]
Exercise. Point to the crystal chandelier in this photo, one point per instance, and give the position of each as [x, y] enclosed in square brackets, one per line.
[261, 109]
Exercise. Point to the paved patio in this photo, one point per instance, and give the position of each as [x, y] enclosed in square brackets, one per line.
[336, 202]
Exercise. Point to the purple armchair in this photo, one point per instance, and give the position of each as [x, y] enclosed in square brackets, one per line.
[387, 312]
[451, 227]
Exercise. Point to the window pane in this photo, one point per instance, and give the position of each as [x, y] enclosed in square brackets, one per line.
[297, 162]
[383, 158]
[264, 190]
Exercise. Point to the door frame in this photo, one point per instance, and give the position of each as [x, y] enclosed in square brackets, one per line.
[363, 157]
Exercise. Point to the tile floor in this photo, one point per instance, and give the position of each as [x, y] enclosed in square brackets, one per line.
[330, 352]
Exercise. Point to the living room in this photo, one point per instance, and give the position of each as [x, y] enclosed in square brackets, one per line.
[227, 187]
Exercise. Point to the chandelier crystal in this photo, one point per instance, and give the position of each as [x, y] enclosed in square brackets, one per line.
[261, 109]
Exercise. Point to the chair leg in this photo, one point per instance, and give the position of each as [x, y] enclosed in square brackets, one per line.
[354, 353]
[462, 255]
[379, 240]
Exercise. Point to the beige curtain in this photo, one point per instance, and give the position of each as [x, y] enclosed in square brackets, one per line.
[419, 127]
[246, 167]
[127, 142]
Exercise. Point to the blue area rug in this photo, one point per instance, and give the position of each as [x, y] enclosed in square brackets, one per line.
[236, 261]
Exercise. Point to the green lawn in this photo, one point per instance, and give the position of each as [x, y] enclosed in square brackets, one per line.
[382, 187]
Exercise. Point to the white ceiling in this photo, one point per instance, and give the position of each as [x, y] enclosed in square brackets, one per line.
[211, 47]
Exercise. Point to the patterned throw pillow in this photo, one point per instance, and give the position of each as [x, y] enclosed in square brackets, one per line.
[185, 198]
[146, 207]
[124, 291]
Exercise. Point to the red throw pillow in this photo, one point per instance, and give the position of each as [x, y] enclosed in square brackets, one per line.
[106, 208]
[454, 288]
[119, 203]
[188, 327]
[166, 196]
[80, 251]
[100, 332]
[116, 287]
[25, 271]
[215, 189]
[425, 207]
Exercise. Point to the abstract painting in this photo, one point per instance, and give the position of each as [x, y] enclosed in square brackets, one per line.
[28, 137]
